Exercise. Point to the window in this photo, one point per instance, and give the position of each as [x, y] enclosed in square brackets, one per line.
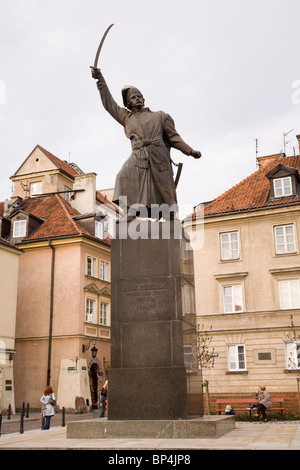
[229, 245]
[35, 188]
[236, 357]
[292, 355]
[67, 192]
[283, 186]
[90, 311]
[90, 266]
[232, 298]
[99, 229]
[289, 294]
[103, 271]
[188, 357]
[188, 302]
[104, 311]
[19, 228]
[284, 239]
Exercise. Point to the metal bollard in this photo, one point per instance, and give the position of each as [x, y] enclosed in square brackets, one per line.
[0, 423]
[63, 417]
[22, 423]
[27, 410]
[23, 407]
[9, 411]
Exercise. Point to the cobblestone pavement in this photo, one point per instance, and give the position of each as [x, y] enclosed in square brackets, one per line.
[246, 436]
[34, 421]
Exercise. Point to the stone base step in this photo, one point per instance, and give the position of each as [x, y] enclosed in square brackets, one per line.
[195, 428]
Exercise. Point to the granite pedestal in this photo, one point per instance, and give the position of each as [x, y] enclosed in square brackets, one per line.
[206, 427]
[147, 379]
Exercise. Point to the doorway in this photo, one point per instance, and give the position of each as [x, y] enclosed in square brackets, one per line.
[94, 385]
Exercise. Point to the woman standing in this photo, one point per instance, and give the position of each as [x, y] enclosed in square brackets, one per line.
[49, 401]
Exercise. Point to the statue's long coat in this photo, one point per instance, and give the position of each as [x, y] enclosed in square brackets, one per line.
[146, 177]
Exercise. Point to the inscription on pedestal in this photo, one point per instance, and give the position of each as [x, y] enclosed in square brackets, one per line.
[147, 299]
[144, 297]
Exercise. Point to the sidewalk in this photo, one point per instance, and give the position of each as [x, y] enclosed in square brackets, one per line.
[245, 436]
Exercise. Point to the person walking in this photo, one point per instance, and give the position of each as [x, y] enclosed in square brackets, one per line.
[49, 401]
[104, 393]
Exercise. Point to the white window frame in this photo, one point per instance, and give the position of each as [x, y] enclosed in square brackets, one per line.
[90, 310]
[236, 356]
[104, 271]
[292, 355]
[188, 299]
[231, 252]
[104, 313]
[36, 188]
[234, 291]
[188, 357]
[281, 189]
[67, 193]
[289, 294]
[19, 228]
[285, 242]
[99, 229]
[90, 266]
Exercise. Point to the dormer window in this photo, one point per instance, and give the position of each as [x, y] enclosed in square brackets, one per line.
[19, 228]
[284, 182]
[23, 225]
[283, 187]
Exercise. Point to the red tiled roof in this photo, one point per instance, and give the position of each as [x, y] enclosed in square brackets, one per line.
[57, 215]
[56, 161]
[7, 243]
[253, 192]
[59, 163]
[103, 200]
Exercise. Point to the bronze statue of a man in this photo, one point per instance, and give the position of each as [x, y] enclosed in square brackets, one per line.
[146, 177]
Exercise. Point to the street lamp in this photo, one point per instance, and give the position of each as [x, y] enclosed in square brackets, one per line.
[94, 350]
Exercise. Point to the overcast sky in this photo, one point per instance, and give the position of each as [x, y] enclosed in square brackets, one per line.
[227, 71]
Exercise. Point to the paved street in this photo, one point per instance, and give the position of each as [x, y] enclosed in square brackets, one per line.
[34, 421]
[245, 436]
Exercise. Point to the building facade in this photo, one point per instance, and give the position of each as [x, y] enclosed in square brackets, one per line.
[247, 283]
[9, 257]
[60, 222]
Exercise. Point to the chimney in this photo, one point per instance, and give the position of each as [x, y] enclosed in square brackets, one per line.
[85, 200]
[298, 138]
[263, 161]
[11, 204]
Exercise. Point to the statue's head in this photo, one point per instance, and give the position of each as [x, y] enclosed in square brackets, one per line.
[129, 93]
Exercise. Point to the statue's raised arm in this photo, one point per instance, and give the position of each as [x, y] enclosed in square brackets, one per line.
[146, 177]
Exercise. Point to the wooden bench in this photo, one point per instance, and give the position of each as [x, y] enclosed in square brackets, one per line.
[250, 402]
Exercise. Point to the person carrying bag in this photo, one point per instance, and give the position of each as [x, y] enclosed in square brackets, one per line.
[48, 409]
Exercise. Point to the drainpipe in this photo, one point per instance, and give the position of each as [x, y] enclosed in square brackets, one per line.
[51, 313]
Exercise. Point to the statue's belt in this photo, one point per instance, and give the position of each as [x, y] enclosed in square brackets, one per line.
[142, 161]
[138, 144]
